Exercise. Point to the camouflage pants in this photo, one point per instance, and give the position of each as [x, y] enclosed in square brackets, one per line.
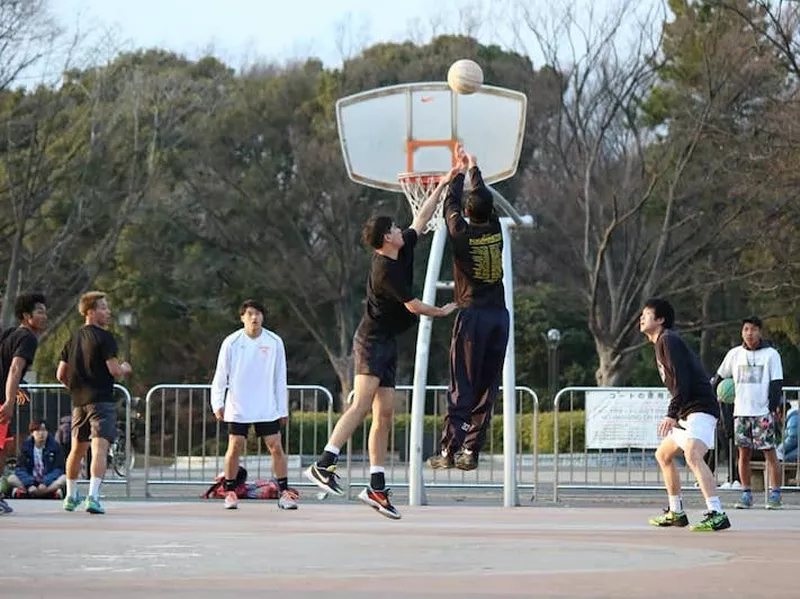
[755, 432]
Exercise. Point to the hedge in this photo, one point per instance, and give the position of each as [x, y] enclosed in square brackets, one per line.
[314, 428]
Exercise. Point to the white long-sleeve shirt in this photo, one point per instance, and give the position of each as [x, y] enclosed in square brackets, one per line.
[250, 381]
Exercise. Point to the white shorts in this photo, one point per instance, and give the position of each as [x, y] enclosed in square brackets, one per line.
[699, 426]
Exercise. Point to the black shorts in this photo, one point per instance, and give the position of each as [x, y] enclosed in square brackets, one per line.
[263, 429]
[376, 356]
[94, 420]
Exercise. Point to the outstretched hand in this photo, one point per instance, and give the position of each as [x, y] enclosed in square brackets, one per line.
[470, 159]
[461, 156]
[464, 158]
[448, 309]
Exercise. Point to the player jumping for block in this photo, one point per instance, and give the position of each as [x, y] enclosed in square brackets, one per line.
[391, 309]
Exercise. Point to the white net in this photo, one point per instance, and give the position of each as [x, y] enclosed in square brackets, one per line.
[418, 187]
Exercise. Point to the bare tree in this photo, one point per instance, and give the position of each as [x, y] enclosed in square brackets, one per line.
[306, 248]
[627, 209]
[77, 164]
[776, 23]
[27, 34]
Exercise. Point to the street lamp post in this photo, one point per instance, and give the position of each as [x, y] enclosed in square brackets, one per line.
[553, 339]
[127, 320]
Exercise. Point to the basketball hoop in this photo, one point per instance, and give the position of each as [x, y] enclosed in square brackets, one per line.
[418, 188]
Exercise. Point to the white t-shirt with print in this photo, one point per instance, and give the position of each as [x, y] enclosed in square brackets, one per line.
[752, 371]
[38, 463]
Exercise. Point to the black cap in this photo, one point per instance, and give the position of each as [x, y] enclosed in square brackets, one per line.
[754, 320]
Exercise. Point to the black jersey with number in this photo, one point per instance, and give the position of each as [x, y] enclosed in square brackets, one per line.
[477, 249]
[389, 287]
[685, 377]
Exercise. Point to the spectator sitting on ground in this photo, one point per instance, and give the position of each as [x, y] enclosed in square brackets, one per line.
[40, 466]
[787, 449]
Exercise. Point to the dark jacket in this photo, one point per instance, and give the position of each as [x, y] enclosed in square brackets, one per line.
[52, 456]
[684, 377]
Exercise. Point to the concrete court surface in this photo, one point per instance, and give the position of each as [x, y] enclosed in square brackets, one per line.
[346, 550]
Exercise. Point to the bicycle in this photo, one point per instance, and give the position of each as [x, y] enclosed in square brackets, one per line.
[118, 460]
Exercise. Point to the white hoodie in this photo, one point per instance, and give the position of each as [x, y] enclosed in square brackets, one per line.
[250, 380]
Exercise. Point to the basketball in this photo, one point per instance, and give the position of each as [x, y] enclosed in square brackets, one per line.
[465, 76]
[726, 391]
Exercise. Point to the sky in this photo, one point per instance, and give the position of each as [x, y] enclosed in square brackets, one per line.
[244, 30]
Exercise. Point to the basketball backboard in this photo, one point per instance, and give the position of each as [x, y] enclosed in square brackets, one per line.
[414, 127]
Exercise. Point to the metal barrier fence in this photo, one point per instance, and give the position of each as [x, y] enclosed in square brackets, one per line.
[579, 463]
[184, 442]
[50, 403]
[489, 474]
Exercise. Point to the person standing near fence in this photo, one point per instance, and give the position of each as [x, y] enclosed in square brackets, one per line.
[17, 350]
[88, 367]
[249, 389]
[757, 373]
[691, 419]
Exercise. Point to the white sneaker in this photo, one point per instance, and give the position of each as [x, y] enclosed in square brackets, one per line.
[231, 500]
[288, 500]
[727, 485]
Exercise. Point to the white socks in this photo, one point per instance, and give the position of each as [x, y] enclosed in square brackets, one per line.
[72, 488]
[714, 505]
[332, 449]
[377, 470]
[94, 487]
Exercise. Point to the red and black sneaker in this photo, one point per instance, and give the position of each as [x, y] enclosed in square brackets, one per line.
[379, 501]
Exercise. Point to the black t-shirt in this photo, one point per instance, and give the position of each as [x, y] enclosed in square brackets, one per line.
[477, 249]
[18, 341]
[685, 377]
[389, 287]
[86, 353]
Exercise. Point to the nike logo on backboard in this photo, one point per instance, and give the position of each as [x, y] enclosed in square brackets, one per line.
[426, 99]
